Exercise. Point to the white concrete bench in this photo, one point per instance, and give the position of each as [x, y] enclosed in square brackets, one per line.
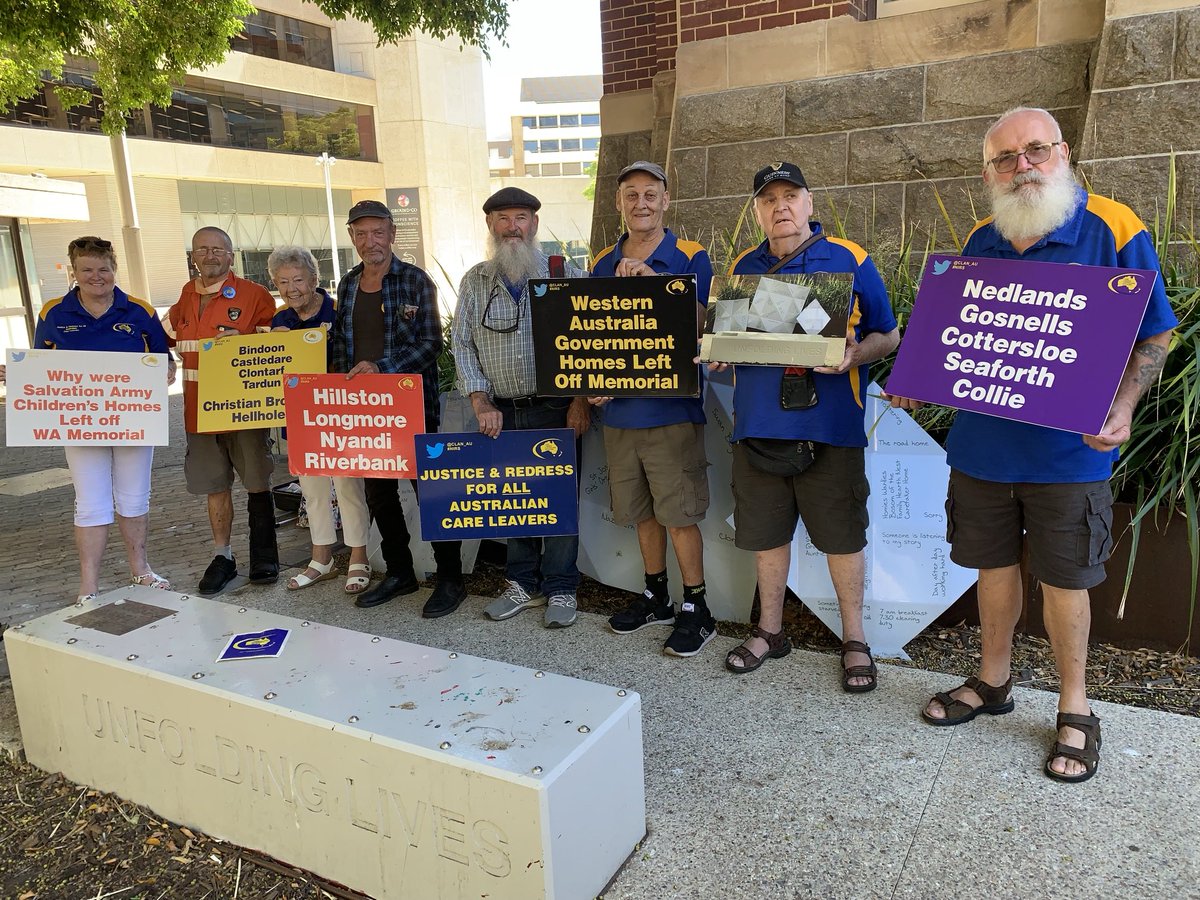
[397, 770]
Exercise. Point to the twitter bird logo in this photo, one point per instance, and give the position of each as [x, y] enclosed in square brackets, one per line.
[433, 451]
[940, 266]
[539, 290]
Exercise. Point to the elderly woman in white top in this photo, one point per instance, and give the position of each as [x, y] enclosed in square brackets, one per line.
[294, 271]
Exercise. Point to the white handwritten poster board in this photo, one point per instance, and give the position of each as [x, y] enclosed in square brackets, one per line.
[910, 579]
[78, 398]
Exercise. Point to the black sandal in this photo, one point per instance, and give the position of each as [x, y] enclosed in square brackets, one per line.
[996, 702]
[777, 646]
[1089, 754]
[867, 671]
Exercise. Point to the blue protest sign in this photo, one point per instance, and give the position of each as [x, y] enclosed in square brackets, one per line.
[255, 645]
[520, 484]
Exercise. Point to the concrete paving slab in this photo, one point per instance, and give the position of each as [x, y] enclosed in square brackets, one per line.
[776, 784]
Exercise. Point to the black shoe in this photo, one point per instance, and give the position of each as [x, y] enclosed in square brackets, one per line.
[263, 571]
[694, 628]
[264, 550]
[647, 609]
[391, 587]
[447, 596]
[219, 573]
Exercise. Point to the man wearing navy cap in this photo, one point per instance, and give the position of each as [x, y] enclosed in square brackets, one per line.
[388, 321]
[657, 467]
[778, 410]
[493, 352]
[217, 302]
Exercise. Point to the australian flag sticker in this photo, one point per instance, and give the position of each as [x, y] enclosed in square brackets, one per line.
[255, 645]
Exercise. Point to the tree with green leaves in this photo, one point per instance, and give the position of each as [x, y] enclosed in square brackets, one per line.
[142, 49]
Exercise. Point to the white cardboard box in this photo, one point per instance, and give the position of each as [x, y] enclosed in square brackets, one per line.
[398, 770]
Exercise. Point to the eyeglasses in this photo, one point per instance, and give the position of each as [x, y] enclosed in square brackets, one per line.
[89, 243]
[209, 251]
[498, 328]
[1035, 155]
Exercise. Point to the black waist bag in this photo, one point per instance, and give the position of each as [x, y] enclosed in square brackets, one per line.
[775, 456]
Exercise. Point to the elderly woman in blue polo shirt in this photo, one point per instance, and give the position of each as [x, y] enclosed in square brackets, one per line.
[97, 315]
[295, 273]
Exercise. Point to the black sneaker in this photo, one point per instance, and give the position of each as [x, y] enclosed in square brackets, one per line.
[694, 627]
[647, 609]
[446, 597]
[219, 573]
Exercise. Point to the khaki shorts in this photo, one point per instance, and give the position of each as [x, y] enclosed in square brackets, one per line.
[657, 473]
[830, 496]
[1069, 527]
[212, 459]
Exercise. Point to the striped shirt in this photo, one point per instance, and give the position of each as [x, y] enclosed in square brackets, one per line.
[493, 337]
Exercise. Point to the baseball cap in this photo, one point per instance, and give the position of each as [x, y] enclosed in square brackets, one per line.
[364, 208]
[652, 169]
[511, 197]
[778, 171]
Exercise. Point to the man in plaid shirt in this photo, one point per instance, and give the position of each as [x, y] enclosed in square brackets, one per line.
[388, 322]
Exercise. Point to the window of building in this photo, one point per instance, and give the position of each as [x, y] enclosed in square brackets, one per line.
[529, 122]
[548, 146]
[205, 111]
[547, 122]
[531, 146]
[572, 168]
[275, 36]
[568, 121]
[533, 170]
[588, 119]
[591, 143]
[570, 144]
[551, 169]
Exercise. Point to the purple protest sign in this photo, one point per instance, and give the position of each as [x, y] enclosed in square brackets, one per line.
[1043, 343]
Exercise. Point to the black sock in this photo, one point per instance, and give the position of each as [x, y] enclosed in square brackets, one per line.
[695, 594]
[657, 585]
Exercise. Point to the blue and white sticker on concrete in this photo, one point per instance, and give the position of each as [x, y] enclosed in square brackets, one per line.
[255, 645]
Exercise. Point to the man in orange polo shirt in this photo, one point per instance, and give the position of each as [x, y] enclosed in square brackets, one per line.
[213, 304]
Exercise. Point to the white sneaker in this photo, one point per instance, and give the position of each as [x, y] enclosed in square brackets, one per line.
[561, 611]
[512, 601]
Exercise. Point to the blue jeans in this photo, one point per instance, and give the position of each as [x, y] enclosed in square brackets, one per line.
[545, 564]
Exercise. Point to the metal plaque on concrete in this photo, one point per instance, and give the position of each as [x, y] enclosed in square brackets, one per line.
[398, 770]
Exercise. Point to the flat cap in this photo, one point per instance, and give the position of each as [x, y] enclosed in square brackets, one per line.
[368, 209]
[654, 170]
[509, 197]
[778, 171]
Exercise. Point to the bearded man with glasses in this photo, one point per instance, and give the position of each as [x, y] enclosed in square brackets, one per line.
[1012, 483]
[493, 352]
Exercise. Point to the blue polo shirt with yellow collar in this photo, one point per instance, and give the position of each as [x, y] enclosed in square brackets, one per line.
[130, 325]
[838, 417]
[671, 257]
[1100, 232]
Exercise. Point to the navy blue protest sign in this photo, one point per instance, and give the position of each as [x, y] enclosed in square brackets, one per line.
[519, 484]
[255, 645]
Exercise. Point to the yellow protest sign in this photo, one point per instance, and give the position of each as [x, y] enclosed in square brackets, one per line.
[240, 378]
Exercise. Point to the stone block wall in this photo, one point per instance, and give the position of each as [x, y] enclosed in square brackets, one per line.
[879, 148]
[1144, 110]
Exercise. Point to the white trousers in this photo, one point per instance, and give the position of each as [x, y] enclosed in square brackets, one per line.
[352, 503]
[107, 475]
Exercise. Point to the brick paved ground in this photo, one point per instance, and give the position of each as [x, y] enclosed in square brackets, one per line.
[39, 566]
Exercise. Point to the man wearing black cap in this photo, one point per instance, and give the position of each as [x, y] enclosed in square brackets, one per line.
[493, 352]
[657, 467]
[824, 407]
[388, 321]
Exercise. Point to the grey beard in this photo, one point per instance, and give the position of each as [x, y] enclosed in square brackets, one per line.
[1020, 214]
[515, 261]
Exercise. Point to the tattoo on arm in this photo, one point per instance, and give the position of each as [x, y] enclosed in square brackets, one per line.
[1148, 363]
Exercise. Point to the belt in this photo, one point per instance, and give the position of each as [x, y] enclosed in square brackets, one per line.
[529, 400]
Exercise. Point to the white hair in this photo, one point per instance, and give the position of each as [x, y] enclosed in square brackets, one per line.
[1016, 111]
[292, 256]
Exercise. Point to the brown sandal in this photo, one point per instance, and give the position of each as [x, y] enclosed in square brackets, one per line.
[867, 671]
[996, 702]
[1089, 754]
[777, 646]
